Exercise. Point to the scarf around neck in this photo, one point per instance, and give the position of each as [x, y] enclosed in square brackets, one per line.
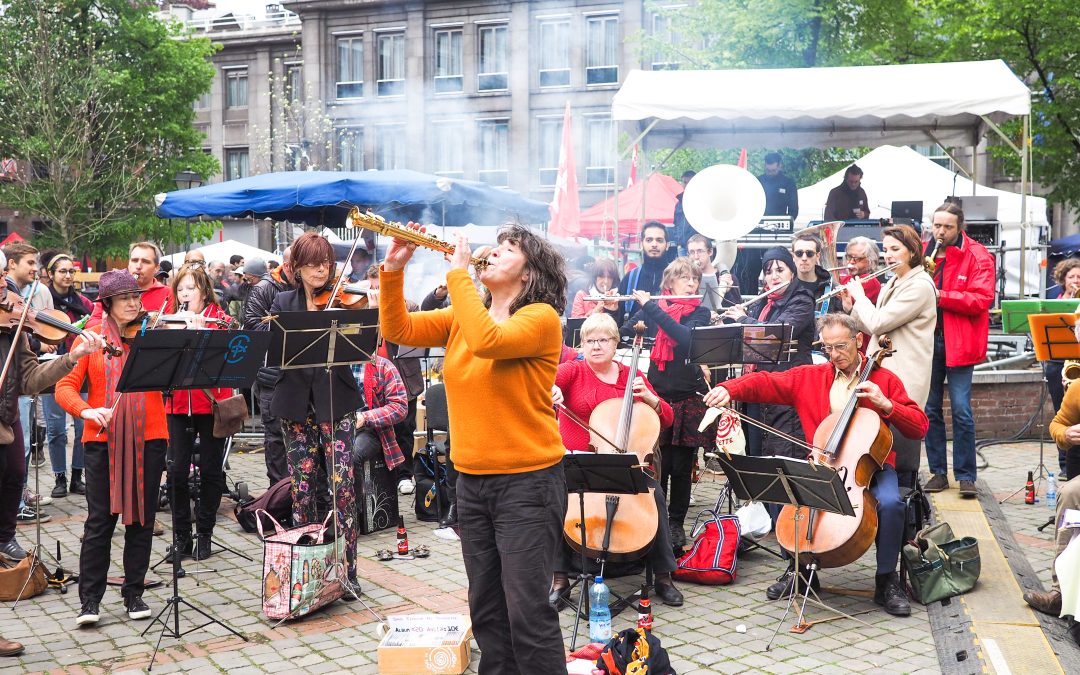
[663, 350]
[126, 437]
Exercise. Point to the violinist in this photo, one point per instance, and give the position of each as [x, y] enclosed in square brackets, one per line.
[317, 410]
[816, 391]
[678, 382]
[580, 386]
[502, 352]
[125, 437]
[191, 416]
[61, 270]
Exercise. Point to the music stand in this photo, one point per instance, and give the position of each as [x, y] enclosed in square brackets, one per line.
[572, 332]
[780, 480]
[611, 474]
[168, 360]
[325, 340]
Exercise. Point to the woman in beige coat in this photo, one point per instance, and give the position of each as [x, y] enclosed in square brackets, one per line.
[906, 311]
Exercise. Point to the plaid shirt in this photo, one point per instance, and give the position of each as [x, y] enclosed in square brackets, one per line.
[387, 404]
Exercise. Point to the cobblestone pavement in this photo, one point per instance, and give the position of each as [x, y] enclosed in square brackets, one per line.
[703, 636]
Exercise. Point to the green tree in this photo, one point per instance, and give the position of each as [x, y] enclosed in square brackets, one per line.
[96, 106]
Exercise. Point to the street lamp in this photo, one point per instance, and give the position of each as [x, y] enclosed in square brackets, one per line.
[185, 180]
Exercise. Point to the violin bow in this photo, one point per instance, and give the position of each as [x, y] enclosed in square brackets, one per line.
[585, 425]
[773, 430]
[18, 331]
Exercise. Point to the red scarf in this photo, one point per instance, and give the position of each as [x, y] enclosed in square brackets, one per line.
[126, 437]
[771, 299]
[663, 349]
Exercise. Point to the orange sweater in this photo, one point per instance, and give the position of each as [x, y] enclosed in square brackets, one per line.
[67, 395]
[498, 375]
[1067, 415]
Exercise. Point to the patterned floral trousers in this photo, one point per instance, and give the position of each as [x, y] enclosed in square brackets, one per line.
[320, 455]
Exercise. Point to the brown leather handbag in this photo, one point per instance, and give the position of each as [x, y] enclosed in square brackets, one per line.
[229, 414]
[12, 579]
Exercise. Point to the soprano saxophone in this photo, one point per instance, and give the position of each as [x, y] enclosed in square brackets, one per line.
[379, 225]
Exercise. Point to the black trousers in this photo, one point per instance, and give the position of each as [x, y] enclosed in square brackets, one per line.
[403, 432]
[660, 556]
[511, 529]
[12, 475]
[676, 464]
[277, 465]
[183, 429]
[100, 523]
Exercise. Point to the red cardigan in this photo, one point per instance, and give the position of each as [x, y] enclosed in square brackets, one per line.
[583, 390]
[194, 401]
[806, 388]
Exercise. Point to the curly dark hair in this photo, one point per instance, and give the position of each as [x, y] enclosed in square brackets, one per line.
[546, 268]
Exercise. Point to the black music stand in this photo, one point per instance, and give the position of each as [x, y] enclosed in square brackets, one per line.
[169, 360]
[326, 340]
[612, 474]
[802, 484]
[572, 332]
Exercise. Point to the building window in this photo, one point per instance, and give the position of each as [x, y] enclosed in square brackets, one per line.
[391, 79]
[448, 141]
[495, 152]
[664, 35]
[203, 102]
[350, 67]
[599, 151]
[602, 53]
[3, 228]
[390, 147]
[293, 85]
[236, 163]
[494, 72]
[554, 53]
[350, 148]
[550, 140]
[236, 89]
[449, 75]
[294, 157]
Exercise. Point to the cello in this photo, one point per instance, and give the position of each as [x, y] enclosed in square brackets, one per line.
[635, 427]
[855, 442]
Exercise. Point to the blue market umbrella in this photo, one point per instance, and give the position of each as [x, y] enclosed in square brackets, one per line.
[323, 198]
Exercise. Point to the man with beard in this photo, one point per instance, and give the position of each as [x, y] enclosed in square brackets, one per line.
[647, 276]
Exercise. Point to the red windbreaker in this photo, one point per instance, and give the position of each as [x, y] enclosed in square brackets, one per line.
[194, 399]
[965, 282]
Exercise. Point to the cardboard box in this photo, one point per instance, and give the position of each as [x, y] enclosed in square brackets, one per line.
[426, 643]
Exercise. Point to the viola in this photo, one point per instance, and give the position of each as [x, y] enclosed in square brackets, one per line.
[50, 326]
[633, 427]
[855, 442]
[342, 298]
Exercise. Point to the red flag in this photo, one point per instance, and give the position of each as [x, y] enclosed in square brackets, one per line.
[633, 168]
[565, 208]
[742, 159]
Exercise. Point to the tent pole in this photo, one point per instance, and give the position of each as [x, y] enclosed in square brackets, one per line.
[963, 169]
[615, 203]
[1025, 185]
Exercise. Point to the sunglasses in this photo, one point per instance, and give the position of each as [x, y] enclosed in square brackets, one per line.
[803, 254]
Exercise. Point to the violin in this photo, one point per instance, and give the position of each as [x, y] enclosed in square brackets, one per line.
[50, 326]
[635, 427]
[855, 442]
[342, 298]
[153, 320]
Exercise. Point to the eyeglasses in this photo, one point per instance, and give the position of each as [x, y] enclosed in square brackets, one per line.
[70, 271]
[855, 258]
[829, 349]
[803, 254]
[599, 342]
[318, 265]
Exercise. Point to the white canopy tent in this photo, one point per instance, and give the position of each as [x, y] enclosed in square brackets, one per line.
[951, 104]
[223, 250]
[900, 174]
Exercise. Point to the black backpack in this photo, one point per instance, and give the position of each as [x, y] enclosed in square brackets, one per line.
[634, 651]
[277, 501]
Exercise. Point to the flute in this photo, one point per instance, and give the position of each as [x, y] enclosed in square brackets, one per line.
[749, 301]
[883, 270]
[621, 298]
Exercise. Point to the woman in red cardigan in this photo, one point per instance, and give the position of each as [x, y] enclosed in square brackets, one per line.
[582, 385]
[190, 415]
[125, 437]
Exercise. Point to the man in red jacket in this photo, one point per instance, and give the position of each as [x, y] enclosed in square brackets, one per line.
[965, 280]
[816, 391]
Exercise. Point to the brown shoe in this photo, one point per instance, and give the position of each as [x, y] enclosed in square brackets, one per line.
[159, 529]
[10, 647]
[968, 489]
[937, 483]
[1047, 603]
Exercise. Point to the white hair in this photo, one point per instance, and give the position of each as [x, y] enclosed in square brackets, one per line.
[869, 246]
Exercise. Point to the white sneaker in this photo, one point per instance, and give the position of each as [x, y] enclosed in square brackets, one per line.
[406, 486]
[35, 500]
[693, 500]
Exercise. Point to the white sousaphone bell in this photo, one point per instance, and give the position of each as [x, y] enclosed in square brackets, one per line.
[724, 202]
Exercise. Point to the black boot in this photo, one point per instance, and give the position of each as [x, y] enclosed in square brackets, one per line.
[891, 595]
[202, 546]
[450, 518]
[183, 545]
[61, 487]
[665, 589]
[77, 486]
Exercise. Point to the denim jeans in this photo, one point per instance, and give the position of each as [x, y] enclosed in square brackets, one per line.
[56, 433]
[959, 381]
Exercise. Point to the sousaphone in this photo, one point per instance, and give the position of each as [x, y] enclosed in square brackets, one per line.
[724, 202]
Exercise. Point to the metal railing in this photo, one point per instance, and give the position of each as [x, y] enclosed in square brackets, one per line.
[235, 21]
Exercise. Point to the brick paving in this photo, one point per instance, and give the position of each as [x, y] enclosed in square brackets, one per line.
[701, 636]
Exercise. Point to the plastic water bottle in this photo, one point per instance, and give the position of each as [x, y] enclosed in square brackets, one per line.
[599, 612]
[1051, 490]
